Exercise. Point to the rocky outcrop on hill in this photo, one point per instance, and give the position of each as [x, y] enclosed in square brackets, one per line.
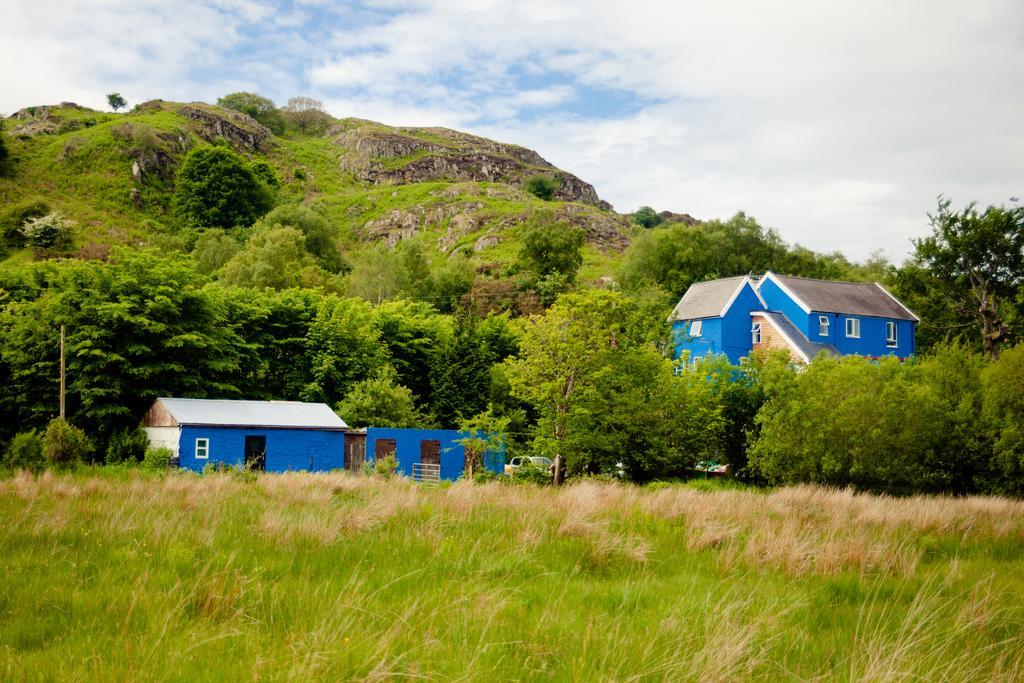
[460, 219]
[411, 155]
[240, 130]
[684, 218]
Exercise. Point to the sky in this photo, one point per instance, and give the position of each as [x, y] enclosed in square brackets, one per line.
[836, 123]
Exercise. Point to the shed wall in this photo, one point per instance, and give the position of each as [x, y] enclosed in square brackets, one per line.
[407, 449]
[287, 449]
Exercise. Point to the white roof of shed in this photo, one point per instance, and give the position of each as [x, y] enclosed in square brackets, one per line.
[224, 413]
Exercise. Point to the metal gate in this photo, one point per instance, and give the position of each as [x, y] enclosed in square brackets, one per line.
[426, 472]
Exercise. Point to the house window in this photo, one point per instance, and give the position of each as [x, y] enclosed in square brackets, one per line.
[890, 334]
[202, 449]
[696, 327]
[755, 333]
[822, 325]
[853, 327]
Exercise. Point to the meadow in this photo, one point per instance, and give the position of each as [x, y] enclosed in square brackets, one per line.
[128, 575]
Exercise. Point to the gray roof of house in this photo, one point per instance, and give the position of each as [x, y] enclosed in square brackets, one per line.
[848, 298]
[706, 299]
[281, 414]
[806, 346]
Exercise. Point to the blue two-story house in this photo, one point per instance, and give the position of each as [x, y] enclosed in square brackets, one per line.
[737, 315]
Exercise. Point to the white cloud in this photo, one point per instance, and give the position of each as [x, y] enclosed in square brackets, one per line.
[836, 123]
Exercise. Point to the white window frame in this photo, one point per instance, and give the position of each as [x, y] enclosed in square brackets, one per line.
[755, 333]
[892, 339]
[696, 328]
[823, 325]
[853, 328]
[205, 448]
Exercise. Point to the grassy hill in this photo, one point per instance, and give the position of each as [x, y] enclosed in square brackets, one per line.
[113, 174]
[124, 575]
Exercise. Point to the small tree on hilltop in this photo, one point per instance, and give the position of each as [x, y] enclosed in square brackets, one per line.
[258, 107]
[116, 102]
[647, 217]
[306, 113]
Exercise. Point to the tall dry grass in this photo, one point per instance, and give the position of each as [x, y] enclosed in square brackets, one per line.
[298, 576]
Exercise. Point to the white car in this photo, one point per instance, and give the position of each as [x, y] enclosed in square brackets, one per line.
[537, 461]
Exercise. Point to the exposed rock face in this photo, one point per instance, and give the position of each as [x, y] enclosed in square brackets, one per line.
[384, 157]
[241, 130]
[685, 218]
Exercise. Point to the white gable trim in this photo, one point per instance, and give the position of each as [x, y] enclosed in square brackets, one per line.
[797, 300]
[732, 299]
[789, 340]
[901, 304]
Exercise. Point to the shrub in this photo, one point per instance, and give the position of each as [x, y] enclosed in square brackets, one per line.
[25, 451]
[541, 186]
[12, 220]
[65, 444]
[157, 458]
[216, 188]
[385, 467]
[51, 231]
[127, 446]
[265, 173]
[532, 474]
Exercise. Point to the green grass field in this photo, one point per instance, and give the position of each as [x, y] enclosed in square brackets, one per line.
[121, 575]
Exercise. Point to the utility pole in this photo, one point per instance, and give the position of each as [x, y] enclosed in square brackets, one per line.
[62, 373]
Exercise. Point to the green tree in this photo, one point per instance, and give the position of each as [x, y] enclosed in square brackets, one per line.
[461, 376]
[541, 186]
[320, 234]
[553, 249]
[138, 327]
[377, 274]
[115, 101]
[647, 217]
[379, 402]
[1003, 402]
[976, 260]
[604, 394]
[215, 188]
[213, 249]
[414, 335]
[274, 258]
[343, 347]
[258, 107]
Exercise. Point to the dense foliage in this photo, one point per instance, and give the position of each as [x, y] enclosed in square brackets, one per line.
[216, 188]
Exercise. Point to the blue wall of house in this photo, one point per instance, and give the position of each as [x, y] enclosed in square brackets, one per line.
[287, 449]
[708, 343]
[777, 300]
[729, 334]
[872, 340]
[737, 341]
[872, 330]
[407, 450]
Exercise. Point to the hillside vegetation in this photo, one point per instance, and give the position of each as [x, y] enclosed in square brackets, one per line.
[123, 576]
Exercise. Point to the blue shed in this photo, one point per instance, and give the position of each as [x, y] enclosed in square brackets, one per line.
[275, 436]
[423, 452]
